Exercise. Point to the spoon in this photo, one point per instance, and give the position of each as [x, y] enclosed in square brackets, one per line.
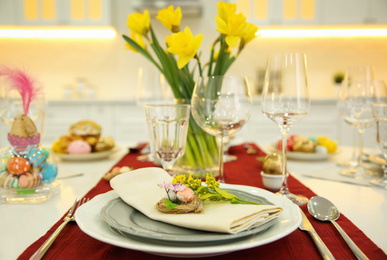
[324, 210]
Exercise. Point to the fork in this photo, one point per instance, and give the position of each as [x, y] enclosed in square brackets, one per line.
[69, 217]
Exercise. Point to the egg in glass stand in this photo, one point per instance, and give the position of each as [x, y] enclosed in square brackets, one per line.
[272, 171]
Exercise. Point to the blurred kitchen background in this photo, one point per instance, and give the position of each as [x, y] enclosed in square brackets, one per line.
[111, 71]
[100, 69]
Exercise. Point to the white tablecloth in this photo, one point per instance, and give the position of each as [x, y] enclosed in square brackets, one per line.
[21, 225]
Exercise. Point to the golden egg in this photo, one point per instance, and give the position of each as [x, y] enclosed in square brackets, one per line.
[272, 164]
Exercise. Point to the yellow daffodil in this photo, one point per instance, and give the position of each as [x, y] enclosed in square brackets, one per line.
[250, 33]
[233, 28]
[139, 23]
[225, 10]
[136, 38]
[170, 19]
[184, 45]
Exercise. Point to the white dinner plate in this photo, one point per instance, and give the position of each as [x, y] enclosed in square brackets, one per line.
[88, 156]
[304, 156]
[91, 222]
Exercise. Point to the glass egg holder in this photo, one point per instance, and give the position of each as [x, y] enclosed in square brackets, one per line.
[28, 170]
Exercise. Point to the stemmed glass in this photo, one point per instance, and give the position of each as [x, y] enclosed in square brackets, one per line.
[221, 105]
[355, 107]
[285, 100]
[168, 127]
[380, 113]
[356, 73]
[152, 88]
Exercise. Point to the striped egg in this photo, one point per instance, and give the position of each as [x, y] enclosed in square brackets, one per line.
[37, 158]
[18, 165]
[8, 180]
[30, 180]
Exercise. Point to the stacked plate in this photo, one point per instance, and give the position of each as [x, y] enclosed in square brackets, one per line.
[109, 219]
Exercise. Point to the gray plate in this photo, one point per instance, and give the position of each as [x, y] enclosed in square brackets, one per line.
[126, 220]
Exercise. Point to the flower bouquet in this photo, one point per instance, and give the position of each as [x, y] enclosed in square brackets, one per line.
[173, 61]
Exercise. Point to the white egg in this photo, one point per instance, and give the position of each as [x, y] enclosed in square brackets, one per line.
[172, 195]
[321, 149]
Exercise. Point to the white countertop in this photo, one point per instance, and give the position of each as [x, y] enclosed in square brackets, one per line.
[21, 225]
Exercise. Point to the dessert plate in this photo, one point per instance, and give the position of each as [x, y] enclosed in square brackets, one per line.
[91, 222]
[129, 221]
[304, 156]
[88, 156]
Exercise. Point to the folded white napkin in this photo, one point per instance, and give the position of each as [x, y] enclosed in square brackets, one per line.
[139, 189]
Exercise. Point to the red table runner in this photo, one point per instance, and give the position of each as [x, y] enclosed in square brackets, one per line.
[73, 244]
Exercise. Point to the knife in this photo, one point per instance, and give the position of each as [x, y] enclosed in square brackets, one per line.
[322, 248]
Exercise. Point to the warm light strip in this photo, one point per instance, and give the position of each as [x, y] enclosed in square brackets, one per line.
[340, 32]
[59, 33]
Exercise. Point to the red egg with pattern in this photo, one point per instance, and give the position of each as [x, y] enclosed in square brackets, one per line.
[18, 165]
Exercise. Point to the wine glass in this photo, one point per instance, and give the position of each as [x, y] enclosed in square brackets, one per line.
[356, 73]
[285, 100]
[152, 88]
[221, 105]
[355, 107]
[380, 113]
[168, 127]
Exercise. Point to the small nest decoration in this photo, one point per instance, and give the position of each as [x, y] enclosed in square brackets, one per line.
[194, 206]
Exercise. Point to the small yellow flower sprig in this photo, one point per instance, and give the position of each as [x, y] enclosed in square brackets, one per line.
[211, 191]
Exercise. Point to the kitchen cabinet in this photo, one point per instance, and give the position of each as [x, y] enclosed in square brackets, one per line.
[353, 12]
[55, 12]
[125, 122]
[313, 12]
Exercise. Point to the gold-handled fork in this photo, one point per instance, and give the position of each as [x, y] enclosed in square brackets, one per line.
[69, 217]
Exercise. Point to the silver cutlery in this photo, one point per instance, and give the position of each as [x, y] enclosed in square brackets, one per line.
[322, 248]
[69, 217]
[324, 210]
[71, 176]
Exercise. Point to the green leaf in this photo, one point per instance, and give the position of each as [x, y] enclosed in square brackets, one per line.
[141, 50]
[225, 194]
[170, 205]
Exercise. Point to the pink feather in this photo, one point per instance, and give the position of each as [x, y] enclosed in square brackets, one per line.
[23, 83]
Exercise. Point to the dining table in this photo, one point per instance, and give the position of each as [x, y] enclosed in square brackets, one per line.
[24, 227]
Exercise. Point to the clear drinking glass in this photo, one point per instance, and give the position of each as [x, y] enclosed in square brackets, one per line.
[168, 127]
[380, 113]
[221, 105]
[285, 100]
[356, 73]
[355, 107]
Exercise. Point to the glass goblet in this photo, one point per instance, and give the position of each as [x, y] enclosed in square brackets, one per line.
[355, 73]
[380, 113]
[221, 105]
[285, 100]
[168, 127]
[355, 107]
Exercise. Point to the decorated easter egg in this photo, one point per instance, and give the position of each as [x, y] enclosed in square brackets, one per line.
[4, 158]
[46, 152]
[37, 158]
[78, 147]
[30, 180]
[49, 173]
[18, 165]
[8, 180]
